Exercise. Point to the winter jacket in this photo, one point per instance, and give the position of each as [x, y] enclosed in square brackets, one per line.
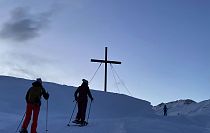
[83, 92]
[36, 85]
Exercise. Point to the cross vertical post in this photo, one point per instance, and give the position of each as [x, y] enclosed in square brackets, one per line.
[105, 78]
[105, 61]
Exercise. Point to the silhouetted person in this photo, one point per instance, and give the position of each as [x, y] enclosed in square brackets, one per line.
[81, 97]
[33, 100]
[165, 109]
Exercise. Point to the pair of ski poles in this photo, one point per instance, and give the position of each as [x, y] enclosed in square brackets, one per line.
[46, 128]
[74, 110]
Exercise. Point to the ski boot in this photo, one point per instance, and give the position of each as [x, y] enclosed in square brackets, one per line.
[23, 130]
[83, 123]
[76, 121]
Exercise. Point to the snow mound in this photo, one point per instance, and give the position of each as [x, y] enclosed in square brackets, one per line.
[13, 92]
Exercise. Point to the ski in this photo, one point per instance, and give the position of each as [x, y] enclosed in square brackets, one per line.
[78, 124]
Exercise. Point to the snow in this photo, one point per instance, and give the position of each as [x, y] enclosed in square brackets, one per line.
[110, 112]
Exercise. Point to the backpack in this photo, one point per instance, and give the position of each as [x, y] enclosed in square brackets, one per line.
[35, 94]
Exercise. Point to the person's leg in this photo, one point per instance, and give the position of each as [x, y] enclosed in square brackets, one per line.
[165, 113]
[27, 117]
[83, 110]
[36, 109]
[78, 117]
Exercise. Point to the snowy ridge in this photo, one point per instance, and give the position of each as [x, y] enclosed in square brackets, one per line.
[61, 99]
[110, 112]
[185, 107]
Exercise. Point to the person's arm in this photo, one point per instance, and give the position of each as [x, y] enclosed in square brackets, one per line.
[27, 96]
[76, 93]
[45, 94]
[90, 95]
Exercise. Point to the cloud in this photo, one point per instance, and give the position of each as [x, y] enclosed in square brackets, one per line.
[26, 65]
[23, 25]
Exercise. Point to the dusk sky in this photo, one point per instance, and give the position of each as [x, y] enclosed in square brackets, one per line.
[164, 45]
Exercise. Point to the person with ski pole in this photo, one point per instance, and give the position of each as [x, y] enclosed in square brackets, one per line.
[80, 96]
[33, 100]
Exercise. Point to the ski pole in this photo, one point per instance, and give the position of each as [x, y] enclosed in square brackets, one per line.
[72, 114]
[20, 122]
[89, 111]
[46, 117]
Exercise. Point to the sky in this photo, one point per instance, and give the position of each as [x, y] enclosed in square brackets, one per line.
[164, 46]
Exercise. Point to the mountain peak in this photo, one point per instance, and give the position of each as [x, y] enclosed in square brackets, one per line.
[181, 101]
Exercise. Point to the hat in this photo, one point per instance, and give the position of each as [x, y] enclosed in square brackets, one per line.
[39, 80]
[85, 81]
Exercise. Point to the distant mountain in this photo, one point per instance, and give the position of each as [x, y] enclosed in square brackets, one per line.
[184, 107]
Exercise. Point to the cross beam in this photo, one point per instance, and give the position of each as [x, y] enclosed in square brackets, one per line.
[105, 61]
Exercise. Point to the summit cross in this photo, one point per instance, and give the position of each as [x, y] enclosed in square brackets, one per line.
[105, 61]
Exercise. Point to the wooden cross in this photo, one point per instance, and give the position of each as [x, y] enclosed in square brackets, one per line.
[105, 61]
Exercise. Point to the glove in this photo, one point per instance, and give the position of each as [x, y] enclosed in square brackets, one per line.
[46, 96]
[92, 99]
[76, 99]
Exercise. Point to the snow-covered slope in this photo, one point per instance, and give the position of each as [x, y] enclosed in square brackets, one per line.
[110, 113]
[13, 92]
